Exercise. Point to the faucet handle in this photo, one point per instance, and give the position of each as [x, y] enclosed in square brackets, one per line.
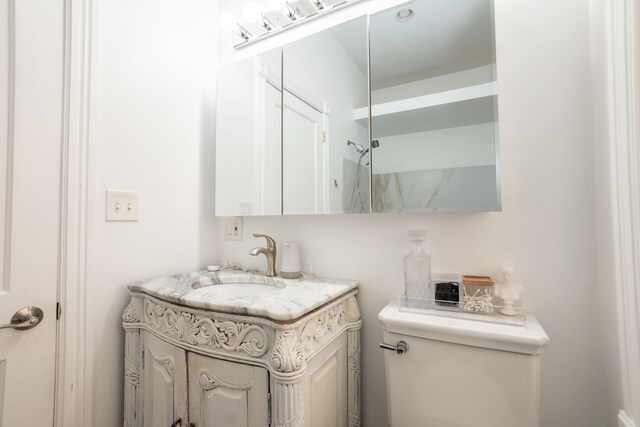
[270, 242]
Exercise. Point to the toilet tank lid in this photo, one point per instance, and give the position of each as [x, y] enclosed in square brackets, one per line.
[529, 339]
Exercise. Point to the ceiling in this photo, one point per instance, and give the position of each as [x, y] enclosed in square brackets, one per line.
[444, 36]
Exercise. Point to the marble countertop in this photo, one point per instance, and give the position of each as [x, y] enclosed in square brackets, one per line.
[247, 293]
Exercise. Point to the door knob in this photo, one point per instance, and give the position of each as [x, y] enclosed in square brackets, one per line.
[25, 318]
[177, 423]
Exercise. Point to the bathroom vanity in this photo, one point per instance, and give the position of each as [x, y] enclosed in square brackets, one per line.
[233, 348]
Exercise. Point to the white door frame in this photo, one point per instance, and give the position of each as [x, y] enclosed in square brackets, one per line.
[74, 374]
[622, 74]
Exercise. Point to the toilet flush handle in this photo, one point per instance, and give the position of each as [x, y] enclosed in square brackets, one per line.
[401, 347]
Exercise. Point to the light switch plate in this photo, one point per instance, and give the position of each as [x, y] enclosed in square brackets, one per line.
[233, 228]
[122, 206]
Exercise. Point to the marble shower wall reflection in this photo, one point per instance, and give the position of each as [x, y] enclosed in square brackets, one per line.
[355, 198]
[456, 189]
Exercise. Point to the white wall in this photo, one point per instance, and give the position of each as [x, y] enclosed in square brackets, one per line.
[546, 229]
[458, 147]
[152, 132]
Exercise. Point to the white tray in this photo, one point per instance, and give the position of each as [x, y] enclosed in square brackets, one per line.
[454, 309]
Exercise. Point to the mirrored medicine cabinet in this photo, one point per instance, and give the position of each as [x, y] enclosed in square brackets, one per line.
[400, 118]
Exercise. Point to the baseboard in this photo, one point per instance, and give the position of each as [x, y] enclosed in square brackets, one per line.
[625, 421]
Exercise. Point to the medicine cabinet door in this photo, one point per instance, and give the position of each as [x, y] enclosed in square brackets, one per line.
[248, 137]
[325, 162]
[434, 118]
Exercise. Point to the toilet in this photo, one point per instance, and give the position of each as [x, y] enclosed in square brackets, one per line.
[457, 372]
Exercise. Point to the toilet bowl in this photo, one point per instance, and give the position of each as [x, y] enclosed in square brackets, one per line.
[454, 372]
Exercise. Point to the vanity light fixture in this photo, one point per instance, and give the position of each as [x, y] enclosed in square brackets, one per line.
[266, 23]
[282, 15]
[319, 4]
[285, 8]
[251, 12]
[405, 15]
[246, 35]
[229, 23]
[291, 13]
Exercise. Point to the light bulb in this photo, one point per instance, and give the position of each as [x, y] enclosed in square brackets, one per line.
[289, 11]
[228, 21]
[251, 11]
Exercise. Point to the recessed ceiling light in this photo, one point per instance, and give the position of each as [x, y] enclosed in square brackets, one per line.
[405, 15]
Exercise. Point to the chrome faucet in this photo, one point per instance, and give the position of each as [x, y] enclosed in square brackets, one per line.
[269, 252]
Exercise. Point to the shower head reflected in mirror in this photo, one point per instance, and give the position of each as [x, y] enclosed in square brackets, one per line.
[360, 149]
[358, 200]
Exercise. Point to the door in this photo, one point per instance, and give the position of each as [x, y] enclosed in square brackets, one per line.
[227, 394]
[269, 163]
[164, 383]
[304, 158]
[31, 88]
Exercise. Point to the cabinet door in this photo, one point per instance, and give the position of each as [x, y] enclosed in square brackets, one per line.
[226, 394]
[164, 383]
[326, 386]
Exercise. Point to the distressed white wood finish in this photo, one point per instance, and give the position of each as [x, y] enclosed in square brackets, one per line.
[31, 111]
[164, 383]
[132, 366]
[353, 389]
[326, 386]
[287, 402]
[226, 394]
[311, 365]
[624, 85]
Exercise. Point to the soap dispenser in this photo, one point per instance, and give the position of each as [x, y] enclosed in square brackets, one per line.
[417, 269]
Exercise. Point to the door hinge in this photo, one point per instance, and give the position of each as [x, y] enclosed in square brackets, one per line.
[58, 310]
[269, 408]
[324, 136]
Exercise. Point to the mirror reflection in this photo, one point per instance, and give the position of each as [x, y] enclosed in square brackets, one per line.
[432, 106]
[434, 113]
[325, 160]
[248, 137]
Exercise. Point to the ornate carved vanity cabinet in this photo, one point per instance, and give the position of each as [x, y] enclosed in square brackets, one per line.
[228, 348]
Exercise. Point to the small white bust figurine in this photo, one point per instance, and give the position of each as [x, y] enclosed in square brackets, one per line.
[508, 291]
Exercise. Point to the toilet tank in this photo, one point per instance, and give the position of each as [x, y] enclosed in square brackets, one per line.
[461, 373]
